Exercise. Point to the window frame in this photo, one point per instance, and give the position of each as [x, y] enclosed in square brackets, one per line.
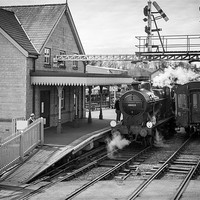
[182, 101]
[47, 56]
[75, 63]
[63, 63]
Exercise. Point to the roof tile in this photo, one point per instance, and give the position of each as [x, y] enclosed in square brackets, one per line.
[10, 24]
[38, 20]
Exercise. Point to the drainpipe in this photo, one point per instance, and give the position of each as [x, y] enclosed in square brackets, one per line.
[33, 102]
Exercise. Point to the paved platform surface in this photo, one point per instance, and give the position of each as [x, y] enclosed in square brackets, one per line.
[71, 132]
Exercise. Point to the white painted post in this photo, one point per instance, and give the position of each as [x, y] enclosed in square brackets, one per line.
[101, 99]
[60, 88]
[89, 114]
[41, 130]
[21, 146]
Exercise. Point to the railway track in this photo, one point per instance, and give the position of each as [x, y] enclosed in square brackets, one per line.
[123, 168]
[184, 163]
[119, 163]
[109, 165]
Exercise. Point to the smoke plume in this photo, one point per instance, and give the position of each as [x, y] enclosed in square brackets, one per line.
[172, 76]
[117, 142]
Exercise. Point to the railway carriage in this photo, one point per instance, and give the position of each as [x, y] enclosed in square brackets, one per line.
[187, 101]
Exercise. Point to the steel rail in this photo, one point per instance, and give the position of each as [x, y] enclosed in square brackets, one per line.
[154, 175]
[185, 182]
[73, 174]
[105, 174]
[84, 187]
[62, 168]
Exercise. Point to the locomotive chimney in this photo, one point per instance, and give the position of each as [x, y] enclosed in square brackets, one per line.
[146, 85]
[135, 85]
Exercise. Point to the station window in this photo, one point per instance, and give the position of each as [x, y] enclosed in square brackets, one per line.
[182, 101]
[47, 56]
[194, 99]
[62, 64]
[75, 63]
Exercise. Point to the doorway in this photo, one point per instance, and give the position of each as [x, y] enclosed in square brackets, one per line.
[45, 107]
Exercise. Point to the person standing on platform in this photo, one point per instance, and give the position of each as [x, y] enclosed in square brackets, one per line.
[117, 110]
[31, 119]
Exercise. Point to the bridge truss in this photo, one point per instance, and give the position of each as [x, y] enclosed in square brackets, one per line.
[174, 47]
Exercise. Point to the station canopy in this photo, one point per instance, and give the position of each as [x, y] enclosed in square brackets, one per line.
[77, 79]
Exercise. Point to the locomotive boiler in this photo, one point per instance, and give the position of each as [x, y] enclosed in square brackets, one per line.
[144, 109]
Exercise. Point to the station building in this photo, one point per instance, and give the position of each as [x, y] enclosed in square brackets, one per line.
[30, 81]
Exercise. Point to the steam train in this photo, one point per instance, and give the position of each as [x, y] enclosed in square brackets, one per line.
[187, 103]
[146, 110]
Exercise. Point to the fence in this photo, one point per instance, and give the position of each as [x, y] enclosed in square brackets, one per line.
[14, 150]
[170, 43]
[14, 124]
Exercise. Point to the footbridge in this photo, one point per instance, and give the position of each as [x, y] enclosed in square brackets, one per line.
[170, 47]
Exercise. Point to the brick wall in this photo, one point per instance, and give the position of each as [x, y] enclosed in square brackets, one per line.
[13, 81]
[61, 39]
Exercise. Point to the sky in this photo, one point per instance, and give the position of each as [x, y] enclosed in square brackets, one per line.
[110, 26]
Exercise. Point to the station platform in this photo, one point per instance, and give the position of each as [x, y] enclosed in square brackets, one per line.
[72, 140]
[71, 132]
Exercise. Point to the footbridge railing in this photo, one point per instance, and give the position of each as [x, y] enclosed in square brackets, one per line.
[15, 149]
[169, 47]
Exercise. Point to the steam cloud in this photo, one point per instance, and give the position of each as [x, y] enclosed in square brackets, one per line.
[171, 76]
[117, 142]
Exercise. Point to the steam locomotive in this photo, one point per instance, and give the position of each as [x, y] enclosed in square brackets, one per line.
[145, 110]
[187, 101]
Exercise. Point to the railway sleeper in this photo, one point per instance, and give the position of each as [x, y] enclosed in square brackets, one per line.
[133, 167]
[179, 168]
[149, 173]
[127, 170]
[154, 169]
[120, 158]
[178, 172]
[188, 159]
[136, 163]
[184, 163]
[139, 160]
[122, 174]
[107, 164]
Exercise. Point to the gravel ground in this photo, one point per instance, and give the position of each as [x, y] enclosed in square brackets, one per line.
[162, 151]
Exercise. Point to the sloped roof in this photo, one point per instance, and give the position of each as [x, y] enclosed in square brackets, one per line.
[157, 70]
[66, 78]
[138, 71]
[40, 20]
[9, 23]
[104, 70]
